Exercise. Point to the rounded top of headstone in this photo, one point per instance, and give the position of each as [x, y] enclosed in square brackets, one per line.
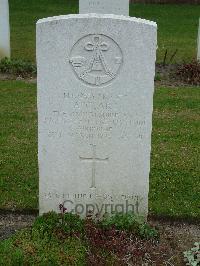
[98, 16]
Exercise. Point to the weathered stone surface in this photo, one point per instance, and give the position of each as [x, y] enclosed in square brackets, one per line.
[4, 29]
[95, 102]
[117, 7]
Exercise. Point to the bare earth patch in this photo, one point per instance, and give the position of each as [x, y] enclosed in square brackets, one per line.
[10, 223]
[4, 76]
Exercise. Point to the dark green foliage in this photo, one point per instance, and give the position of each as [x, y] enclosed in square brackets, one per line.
[147, 232]
[17, 67]
[67, 223]
[131, 223]
[123, 222]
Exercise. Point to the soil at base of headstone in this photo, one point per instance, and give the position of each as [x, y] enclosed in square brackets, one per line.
[166, 75]
[29, 79]
[176, 236]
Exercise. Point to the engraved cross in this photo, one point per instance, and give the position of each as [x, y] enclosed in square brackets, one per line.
[93, 159]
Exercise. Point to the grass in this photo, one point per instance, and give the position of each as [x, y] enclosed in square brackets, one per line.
[18, 142]
[174, 178]
[177, 25]
[30, 248]
[175, 168]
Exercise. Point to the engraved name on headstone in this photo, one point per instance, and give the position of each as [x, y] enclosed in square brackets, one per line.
[95, 103]
[117, 7]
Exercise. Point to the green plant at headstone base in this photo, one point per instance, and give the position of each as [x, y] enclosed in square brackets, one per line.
[46, 223]
[121, 221]
[158, 77]
[70, 224]
[192, 256]
[132, 223]
[148, 232]
[66, 223]
[17, 67]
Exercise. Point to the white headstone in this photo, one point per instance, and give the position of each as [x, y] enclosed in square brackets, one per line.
[118, 7]
[198, 43]
[95, 103]
[4, 29]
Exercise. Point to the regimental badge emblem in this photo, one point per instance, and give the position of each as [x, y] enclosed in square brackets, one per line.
[96, 59]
